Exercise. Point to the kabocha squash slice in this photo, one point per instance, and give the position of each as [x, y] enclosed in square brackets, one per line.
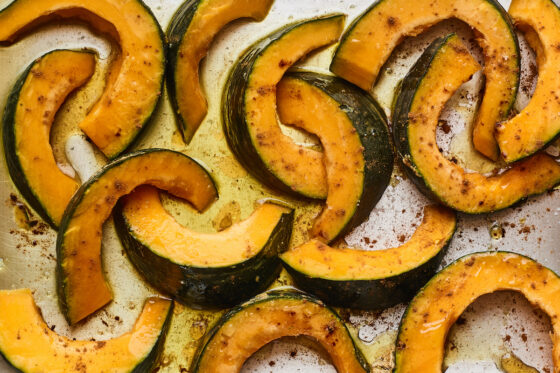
[373, 279]
[357, 153]
[135, 80]
[209, 270]
[192, 29]
[430, 315]
[539, 123]
[27, 343]
[272, 315]
[28, 117]
[249, 109]
[81, 285]
[367, 44]
[431, 82]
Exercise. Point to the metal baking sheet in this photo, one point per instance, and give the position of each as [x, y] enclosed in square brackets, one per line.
[495, 327]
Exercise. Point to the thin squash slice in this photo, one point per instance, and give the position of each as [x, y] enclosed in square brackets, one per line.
[357, 152]
[81, 284]
[135, 80]
[206, 270]
[28, 117]
[425, 324]
[27, 343]
[539, 123]
[190, 33]
[440, 71]
[363, 279]
[278, 313]
[367, 44]
[249, 109]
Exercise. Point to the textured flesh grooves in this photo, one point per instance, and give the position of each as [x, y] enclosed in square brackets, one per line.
[81, 283]
[425, 92]
[424, 327]
[538, 123]
[28, 344]
[29, 116]
[368, 43]
[135, 81]
[190, 34]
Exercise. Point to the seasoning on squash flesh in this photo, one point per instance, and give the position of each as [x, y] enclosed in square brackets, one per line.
[203, 269]
[279, 313]
[373, 279]
[357, 152]
[81, 285]
[440, 71]
[135, 80]
[249, 109]
[539, 123]
[430, 315]
[28, 117]
[367, 44]
[29, 345]
[192, 29]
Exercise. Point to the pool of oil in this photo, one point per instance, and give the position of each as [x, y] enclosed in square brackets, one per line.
[499, 332]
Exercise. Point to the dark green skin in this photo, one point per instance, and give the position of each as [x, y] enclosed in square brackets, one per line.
[175, 32]
[374, 294]
[148, 363]
[208, 287]
[270, 295]
[233, 111]
[10, 146]
[69, 213]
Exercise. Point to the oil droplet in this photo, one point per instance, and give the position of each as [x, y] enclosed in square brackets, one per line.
[496, 231]
[512, 364]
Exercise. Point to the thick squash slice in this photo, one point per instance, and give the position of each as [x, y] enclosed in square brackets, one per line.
[249, 109]
[539, 123]
[440, 71]
[373, 279]
[208, 270]
[430, 315]
[28, 117]
[278, 313]
[27, 343]
[367, 44]
[357, 153]
[81, 285]
[135, 81]
[192, 29]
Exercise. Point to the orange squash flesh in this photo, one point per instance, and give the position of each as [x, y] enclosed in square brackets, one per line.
[134, 83]
[424, 327]
[299, 167]
[28, 344]
[468, 192]
[150, 223]
[49, 81]
[81, 283]
[538, 123]
[209, 18]
[369, 42]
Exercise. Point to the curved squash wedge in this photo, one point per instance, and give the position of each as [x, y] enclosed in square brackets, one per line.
[373, 279]
[356, 147]
[367, 44]
[440, 71]
[28, 117]
[208, 270]
[192, 29]
[430, 315]
[539, 123]
[135, 80]
[27, 343]
[249, 109]
[81, 285]
[278, 313]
